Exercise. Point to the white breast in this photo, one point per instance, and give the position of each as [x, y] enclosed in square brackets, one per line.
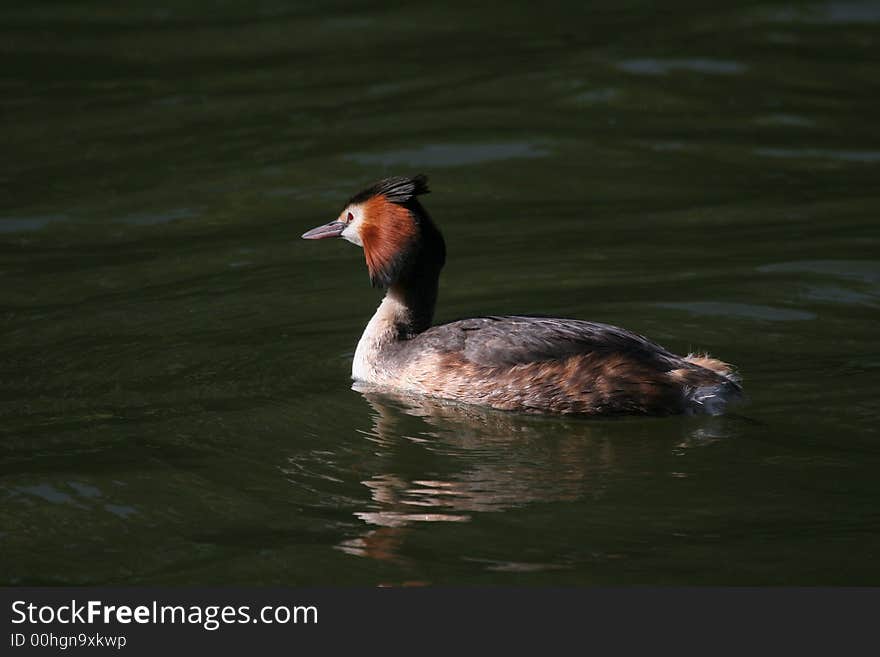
[381, 331]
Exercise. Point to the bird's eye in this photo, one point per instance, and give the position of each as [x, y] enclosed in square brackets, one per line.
[349, 218]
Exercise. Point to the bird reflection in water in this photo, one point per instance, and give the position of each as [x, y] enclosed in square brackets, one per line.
[444, 462]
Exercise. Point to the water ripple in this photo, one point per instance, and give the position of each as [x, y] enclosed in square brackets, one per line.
[651, 66]
[821, 154]
[867, 271]
[450, 155]
[747, 310]
[27, 224]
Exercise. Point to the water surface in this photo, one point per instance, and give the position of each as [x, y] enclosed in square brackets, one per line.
[175, 403]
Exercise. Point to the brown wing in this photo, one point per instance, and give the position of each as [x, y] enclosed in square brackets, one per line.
[512, 340]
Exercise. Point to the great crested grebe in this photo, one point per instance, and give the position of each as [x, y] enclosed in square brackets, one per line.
[516, 363]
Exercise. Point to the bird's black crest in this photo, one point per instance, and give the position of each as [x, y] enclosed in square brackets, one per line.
[398, 189]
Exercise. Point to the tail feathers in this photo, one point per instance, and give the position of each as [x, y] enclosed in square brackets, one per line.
[718, 366]
[712, 399]
[709, 387]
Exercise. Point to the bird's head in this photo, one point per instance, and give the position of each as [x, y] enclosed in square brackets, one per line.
[397, 234]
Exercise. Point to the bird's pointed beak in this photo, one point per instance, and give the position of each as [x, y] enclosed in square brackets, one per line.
[333, 229]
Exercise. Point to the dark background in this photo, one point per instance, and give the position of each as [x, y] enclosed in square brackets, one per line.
[174, 362]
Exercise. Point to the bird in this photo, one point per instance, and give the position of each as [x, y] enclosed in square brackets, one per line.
[519, 363]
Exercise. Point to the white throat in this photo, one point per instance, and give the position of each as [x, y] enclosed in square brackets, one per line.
[382, 331]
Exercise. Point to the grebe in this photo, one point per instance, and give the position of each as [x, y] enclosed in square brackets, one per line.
[516, 363]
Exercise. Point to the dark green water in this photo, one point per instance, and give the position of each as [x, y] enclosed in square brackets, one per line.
[175, 403]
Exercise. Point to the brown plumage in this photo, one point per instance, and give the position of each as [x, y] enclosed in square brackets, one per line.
[387, 231]
[517, 363]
